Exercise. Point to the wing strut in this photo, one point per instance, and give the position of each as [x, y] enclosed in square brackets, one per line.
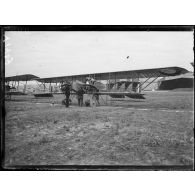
[139, 86]
[151, 82]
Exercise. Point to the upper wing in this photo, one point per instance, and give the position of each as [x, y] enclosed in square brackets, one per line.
[25, 77]
[145, 73]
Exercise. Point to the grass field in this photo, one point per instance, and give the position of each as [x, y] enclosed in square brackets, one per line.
[156, 131]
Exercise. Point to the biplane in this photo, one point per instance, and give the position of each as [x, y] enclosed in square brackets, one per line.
[118, 84]
[12, 84]
[132, 87]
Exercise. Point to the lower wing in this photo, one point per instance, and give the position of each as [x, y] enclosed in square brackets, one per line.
[122, 94]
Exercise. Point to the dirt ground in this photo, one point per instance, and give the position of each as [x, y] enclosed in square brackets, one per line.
[155, 131]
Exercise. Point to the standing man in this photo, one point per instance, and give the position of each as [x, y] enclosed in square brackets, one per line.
[80, 96]
[67, 94]
[66, 87]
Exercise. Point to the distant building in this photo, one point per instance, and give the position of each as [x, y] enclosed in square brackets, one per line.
[181, 81]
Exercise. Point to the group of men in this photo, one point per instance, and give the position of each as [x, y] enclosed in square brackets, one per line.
[66, 88]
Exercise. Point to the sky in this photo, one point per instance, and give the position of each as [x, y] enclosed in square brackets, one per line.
[49, 54]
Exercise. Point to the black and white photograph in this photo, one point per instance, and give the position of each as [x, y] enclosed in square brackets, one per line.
[98, 98]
